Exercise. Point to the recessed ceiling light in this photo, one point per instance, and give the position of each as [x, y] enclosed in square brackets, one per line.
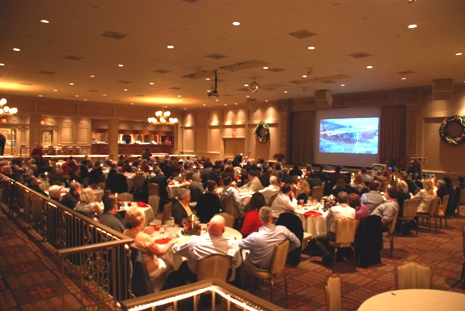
[120, 65]
[225, 105]
[76, 95]
[170, 46]
[343, 85]
[2, 64]
[85, 99]
[248, 96]
[236, 23]
[104, 94]
[71, 83]
[44, 21]
[369, 67]
[16, 49]
[151, 83]
[236, 103]
[217, 100]
[246, 84]
[179, 96]
[412, 26]
[311, 47]
[125, 90]
[304, 76]
[204, 105]
[458, 54]
[285, 92]
[40, 95]
[92, 76]
[55, 90]
[208, 79]
[132, 104]
[266, 100]
[265, 67]
[185, 108]
[404, 78]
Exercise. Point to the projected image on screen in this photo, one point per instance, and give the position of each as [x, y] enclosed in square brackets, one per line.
[349, 135]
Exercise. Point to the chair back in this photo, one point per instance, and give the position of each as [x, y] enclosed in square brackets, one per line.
[345, 232]
[392, 225]
[273, 197]
[214, 266]
[410, 209]
[317, 192]
[140, 281]
[279, 257]
[126, 196]
[229, 219]
[333, 293]
[138, 181]
[167, 211]
[154, 202]
[462, 197]
[228, 204]
[444, 202]
[433, 207]
[413, 275]
[154, 189]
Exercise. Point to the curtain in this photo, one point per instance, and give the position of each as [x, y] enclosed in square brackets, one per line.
[392, 131]
[301, 140]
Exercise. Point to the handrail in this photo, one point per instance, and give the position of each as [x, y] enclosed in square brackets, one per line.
[91, 247]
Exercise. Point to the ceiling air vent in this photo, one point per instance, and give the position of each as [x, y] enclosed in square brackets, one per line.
[71, 57]
[161, 71]
[275, 69]
[359, 55]
[114, 35]
[216, 56]
[301, 34]
[44, 72]
[406, 72]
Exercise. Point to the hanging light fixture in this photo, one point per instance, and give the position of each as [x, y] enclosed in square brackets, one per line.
[163, 117]
[6, 110]
[254, 86]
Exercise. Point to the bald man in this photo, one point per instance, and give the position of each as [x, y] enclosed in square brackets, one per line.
[198, 247]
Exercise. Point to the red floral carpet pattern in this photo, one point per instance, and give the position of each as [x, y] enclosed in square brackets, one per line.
[29, 278]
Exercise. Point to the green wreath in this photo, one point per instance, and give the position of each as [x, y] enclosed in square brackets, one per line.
[444, 133]
[262, 132]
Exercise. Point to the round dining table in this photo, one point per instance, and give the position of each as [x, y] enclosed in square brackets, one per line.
[415, 299]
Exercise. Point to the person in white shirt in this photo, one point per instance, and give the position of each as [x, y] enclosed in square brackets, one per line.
[285, 201]
[271, 190]
[320, 243]
[254, 183]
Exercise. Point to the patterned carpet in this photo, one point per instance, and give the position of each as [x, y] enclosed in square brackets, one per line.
[30, 272]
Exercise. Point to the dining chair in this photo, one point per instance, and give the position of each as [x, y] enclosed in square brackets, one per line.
[153, 189]
[390, 233]
[345, 237]
[229, 219]
[214, 266]
[431, 214]
[154, 202]
[461, 200]
[140, 283]
[333, 293]
[413, 275]
[167, 211]
[317, 193]
[228, 207]
[443, 202]
[277, 266]
[409, 213]
[273, 197]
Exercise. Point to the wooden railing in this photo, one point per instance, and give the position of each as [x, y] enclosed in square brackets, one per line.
[93, 255]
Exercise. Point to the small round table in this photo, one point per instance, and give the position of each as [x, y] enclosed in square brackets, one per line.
[415, 299]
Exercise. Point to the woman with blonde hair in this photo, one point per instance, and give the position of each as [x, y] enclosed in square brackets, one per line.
[425, 196]
[304, 192]
[402, 195]
[144, 242]
[87, 204]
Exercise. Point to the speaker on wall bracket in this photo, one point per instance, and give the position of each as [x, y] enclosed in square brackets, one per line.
[323, 98]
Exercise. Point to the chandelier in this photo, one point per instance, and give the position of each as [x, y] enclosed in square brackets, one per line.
[6, 110]
[163, 117]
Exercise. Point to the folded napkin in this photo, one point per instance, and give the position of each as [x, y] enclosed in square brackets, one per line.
[171, 183]
[156, 228]
[163, 240]
[312, 213]
[142, 204]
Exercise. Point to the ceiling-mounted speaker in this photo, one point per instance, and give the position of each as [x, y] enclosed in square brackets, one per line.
[252, 104]
[443, 89]
[323, 98]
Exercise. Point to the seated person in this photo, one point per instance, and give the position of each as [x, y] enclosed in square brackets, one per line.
[254, 183]
[208, 203]
[372, 199]
[261, 244]
[285, 201]
[55, 193]
[180, 208]
[196, 187]
[252, 220]
[109, 218]
[87, 204]
[73, 196]
[230, 191]
[320, 243]
[271, 190]
[144, 242]
[387, 210]
[304, 192]
[425, 196]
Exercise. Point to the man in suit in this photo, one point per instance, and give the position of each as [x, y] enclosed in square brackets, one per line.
[162, 181]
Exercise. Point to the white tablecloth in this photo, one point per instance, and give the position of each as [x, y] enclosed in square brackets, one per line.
[415, 299]
[148, 211]
[313, 224]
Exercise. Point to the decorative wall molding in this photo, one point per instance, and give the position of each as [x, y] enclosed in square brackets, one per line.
[372, 99]
[411, 96]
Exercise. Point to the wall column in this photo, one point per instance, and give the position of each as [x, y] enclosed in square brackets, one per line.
[113, 126]
[35, 132]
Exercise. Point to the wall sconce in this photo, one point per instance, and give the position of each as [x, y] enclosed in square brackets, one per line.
[3, 120]
[42, 122]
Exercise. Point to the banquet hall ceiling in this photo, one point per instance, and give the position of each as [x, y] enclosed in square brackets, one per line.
[86, 41]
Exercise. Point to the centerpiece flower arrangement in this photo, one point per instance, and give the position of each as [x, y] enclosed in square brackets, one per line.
[192, 228]
[398, 162]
